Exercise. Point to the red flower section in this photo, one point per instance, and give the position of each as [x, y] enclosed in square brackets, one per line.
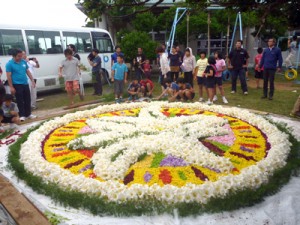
[167, 114]
[60, 154]
[199, 174]
[58, 145]
[87, 153]
[243, 156]
[129, 177]
[165, 176]
[74, 164]
[213, 148]
[93, 175]
[63, 135]
[250, 145]
[242, 128]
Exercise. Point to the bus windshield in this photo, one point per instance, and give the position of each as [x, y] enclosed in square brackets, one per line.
[102, 42]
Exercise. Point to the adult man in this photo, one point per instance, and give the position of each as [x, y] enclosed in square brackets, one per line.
[32, 64]
[115, 55]
[292, 45]
[17, 71]
[270, 57]
[237, 62]
[69, 67]
[138, 62]
[96, 69]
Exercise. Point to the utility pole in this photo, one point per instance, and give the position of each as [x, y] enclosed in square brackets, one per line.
[187, 28]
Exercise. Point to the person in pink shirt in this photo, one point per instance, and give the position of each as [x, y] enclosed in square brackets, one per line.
[221, 66]
[258, 72]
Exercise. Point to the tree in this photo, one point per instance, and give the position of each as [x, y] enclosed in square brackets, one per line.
[144, 22]
[131, 41]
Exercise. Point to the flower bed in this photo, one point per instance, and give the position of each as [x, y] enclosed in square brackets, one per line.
[169, 153]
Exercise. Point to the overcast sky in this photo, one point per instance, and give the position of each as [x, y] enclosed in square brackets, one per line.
[41, 12]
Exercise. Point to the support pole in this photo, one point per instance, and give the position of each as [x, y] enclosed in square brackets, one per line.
[228, 35]
[234, 31]
[208, 33]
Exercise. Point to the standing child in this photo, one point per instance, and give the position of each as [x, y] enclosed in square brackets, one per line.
[134, 90]
[258, 72]
[210, 73]
[201, 79]
[147, 68]
[70, 68]
[9, 112]
[119, 77]
[221, 66]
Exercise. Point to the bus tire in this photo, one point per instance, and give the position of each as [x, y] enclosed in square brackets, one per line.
[290, 74]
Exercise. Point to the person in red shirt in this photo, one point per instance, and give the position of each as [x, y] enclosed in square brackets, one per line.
[147, 87]
[147, 69]
[258, 72]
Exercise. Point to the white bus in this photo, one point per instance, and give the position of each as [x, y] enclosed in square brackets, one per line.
[48, 44]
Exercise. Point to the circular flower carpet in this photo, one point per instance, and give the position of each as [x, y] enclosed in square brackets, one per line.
[168, 153]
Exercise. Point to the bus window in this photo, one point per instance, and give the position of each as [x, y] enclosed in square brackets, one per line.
[53, 42]
[102, 42]
[42, 42]
[10, 39]
[82, 41]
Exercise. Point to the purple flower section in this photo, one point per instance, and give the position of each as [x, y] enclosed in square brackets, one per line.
[173, 161]
[243, 148]
[212, 169]
[58, 149]
[85, 168]
[226, 139]
[147, 177]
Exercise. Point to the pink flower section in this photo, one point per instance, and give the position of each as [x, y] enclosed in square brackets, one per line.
[226, 139]
[86, 130]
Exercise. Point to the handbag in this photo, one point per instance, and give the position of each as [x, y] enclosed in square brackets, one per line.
[174, 69]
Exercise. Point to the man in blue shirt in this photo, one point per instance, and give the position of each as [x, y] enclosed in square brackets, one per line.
[17, 71]
[116, 54]
[270, 57]
[95, 62]
[119, 77]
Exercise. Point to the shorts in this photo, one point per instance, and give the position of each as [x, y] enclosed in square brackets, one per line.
[218, 81]
[72, 85]
[7, 119]
[201, 80]
[258, 75]
[186, 98]
[210, 82]
[119, 86]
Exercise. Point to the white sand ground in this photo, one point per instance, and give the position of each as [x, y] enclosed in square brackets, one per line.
[279, 209]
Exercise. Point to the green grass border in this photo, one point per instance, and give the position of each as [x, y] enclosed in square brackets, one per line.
[99, 206]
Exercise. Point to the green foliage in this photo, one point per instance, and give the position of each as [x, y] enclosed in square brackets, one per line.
[135, 39]
[145, 22]
[99, 206]
[53, 218]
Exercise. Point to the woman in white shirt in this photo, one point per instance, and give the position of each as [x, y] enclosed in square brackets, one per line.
[164, 66]
[188, 66]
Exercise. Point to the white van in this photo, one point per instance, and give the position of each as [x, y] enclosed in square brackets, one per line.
[47, 45]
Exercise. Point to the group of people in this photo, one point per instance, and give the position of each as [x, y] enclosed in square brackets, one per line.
[22, 85]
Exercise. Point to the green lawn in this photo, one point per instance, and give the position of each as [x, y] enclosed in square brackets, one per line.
[284, 97]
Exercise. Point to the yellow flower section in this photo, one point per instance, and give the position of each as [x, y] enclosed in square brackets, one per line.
[248, 148]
